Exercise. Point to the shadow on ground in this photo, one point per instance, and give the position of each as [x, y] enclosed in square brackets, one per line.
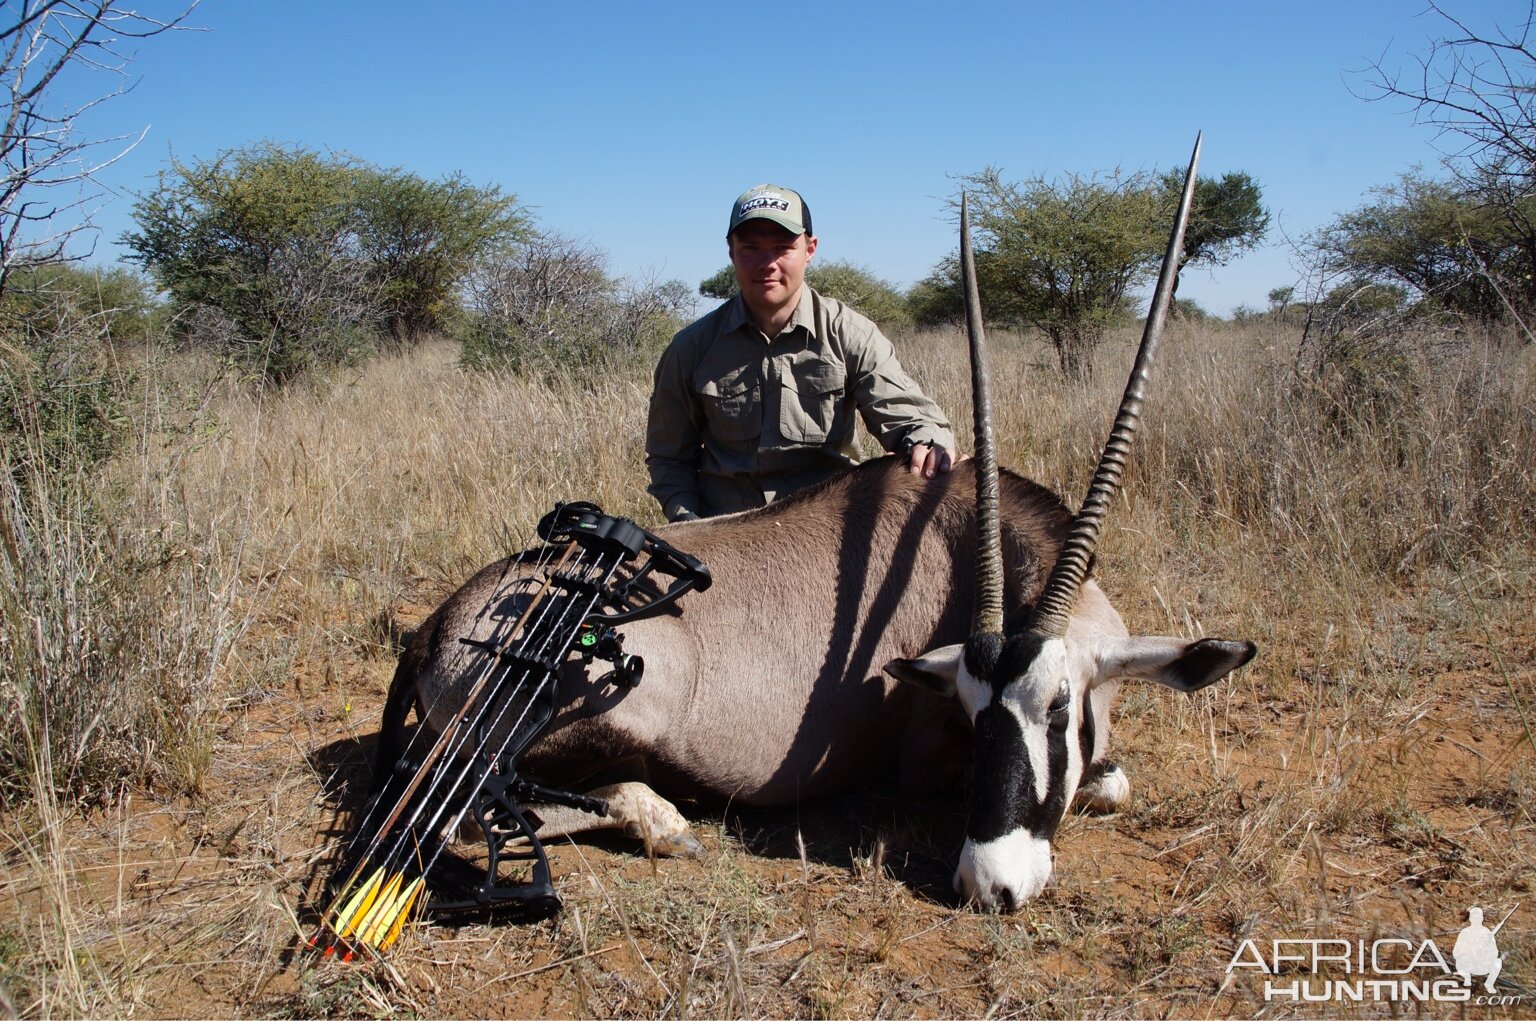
[914, 840]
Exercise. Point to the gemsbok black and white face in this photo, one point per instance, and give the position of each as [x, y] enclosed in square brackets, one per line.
[1038, 739]
[1038, 697]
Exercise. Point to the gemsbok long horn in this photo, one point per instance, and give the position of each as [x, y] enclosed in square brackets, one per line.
[1055, 606]
[988, 617]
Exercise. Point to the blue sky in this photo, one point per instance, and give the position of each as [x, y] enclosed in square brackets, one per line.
[633, 126]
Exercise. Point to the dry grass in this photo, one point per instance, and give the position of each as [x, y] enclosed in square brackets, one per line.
[1370, 774]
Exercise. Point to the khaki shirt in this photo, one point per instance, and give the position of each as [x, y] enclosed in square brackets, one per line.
[737, 420]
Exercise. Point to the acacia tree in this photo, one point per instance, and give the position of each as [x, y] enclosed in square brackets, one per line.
[1439, 242]
[1477, 88]
[41, 152]
[288, 257]
[420, 238]
[1226, 218]
[1063, 256]
[259, 247]
[1066, 256]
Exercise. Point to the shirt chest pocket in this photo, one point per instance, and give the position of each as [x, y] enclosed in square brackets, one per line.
[732, 407]
[808, 399]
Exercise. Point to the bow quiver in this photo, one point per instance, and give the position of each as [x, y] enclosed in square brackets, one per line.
[594, 573]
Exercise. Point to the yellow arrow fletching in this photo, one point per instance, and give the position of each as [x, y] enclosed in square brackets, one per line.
[407, 901]
[345, 921]
[367, 929]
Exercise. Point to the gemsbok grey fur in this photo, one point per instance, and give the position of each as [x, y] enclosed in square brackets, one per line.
[780, 683]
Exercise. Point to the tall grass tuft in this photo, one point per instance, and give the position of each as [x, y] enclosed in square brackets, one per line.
[113, 632]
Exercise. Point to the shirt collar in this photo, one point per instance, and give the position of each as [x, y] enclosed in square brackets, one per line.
[804, 313]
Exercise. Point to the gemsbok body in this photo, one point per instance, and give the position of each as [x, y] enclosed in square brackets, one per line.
[783, 681]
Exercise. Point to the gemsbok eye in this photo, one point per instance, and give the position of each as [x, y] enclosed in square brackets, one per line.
[1060, 704]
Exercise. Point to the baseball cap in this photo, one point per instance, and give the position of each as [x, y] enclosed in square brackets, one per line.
[775, 203]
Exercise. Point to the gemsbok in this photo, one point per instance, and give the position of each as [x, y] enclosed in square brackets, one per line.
[780, 682]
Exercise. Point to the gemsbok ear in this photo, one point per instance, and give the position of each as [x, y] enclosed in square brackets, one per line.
[936, 670]
[1179, 664]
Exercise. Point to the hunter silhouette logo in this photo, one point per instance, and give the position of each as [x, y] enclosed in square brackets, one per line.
[1390, 969]
[1476, 952]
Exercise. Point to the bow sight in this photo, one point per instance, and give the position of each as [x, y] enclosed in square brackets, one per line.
[594, 573]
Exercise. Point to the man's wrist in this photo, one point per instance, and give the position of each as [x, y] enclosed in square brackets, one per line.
[909, 442]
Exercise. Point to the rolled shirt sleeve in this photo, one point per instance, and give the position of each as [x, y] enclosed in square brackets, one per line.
[893, 407]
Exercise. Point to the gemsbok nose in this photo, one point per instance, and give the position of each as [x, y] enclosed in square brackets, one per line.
[1002, 874]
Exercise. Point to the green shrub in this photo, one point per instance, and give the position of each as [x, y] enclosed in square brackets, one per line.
[852, 285]
[860, 289]
[108, 304]
[64, 390]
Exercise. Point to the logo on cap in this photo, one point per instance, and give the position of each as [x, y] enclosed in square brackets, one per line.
[773, 201]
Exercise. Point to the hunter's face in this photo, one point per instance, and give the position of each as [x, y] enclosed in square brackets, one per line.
[770, 264]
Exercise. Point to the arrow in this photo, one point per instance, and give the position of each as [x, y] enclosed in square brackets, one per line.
[372, 918]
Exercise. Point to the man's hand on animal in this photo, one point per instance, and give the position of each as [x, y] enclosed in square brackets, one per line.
[929, 459]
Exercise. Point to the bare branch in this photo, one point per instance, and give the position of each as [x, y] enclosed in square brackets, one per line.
[1478, 90]
[40, 147]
